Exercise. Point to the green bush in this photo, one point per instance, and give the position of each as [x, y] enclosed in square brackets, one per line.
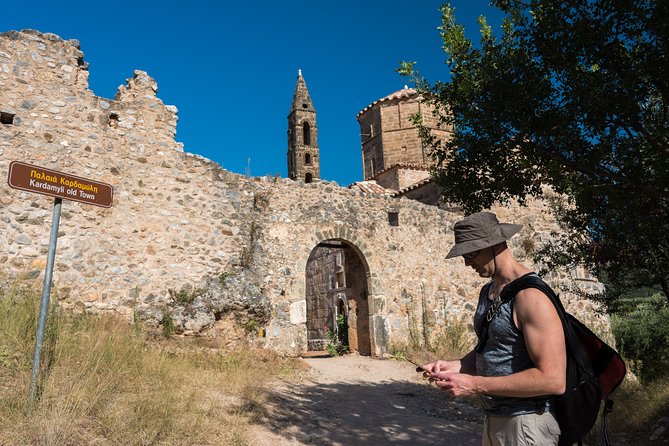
[642, 336]
[338, 344]
[168, 325]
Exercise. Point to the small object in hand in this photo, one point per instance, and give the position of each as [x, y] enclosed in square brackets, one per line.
[426, 374]
[419, 368]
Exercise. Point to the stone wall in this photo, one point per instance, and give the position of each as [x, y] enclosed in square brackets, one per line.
[401, 176]
[189, 241]
[425, 192]
[409, 176]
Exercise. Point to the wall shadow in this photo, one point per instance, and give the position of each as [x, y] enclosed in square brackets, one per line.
[388, 412]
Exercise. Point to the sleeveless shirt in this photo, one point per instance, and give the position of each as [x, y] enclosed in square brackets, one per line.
[504, 353]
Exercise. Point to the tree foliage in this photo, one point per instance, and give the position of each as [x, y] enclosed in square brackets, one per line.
[642, 336]
[572, 94]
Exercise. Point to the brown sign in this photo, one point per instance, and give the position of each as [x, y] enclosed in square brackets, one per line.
[57, 184]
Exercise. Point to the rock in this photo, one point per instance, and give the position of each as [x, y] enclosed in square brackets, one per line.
[657, 433]
[27, 105]
[148, 313]
[23, 240]
[34, 274]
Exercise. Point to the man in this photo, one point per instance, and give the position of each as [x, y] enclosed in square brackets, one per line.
[523, 362]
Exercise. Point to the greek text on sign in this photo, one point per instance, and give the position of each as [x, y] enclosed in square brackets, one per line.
[61, 185]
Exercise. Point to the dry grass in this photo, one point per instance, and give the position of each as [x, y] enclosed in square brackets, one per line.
[638, 407]
[429, 341]
[444, 347]
[105, 384]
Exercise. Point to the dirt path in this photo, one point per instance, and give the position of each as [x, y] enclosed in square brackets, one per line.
[356, 400]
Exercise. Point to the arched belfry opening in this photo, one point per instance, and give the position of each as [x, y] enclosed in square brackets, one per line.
[337, 290]
[307, 133]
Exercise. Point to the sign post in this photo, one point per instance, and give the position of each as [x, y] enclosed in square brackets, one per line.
[44, 303]
[61, 186]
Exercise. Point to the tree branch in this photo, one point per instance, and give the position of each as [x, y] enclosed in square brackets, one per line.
[583, 168]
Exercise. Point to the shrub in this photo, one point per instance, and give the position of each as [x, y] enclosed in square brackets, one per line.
[168, 325]
[453, 340]
[642, 336]
[338, 344]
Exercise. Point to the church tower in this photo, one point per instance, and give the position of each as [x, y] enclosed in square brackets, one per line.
[303, 154]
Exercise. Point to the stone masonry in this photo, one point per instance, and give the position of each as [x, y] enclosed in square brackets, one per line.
[192, 242]
[389, 138]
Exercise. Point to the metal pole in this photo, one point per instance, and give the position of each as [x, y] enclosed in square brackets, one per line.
[44, 305]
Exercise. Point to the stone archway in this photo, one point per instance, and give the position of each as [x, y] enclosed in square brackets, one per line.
[337, 283]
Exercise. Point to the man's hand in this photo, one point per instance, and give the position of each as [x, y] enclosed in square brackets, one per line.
[443, 367]
[456, 384]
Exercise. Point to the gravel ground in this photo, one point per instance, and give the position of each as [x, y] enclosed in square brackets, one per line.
[357, 400]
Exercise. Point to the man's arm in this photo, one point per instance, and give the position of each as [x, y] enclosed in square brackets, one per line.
[537, 318]
[467, 364]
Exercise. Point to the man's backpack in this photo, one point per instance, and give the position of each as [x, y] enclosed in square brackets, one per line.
[594, 369]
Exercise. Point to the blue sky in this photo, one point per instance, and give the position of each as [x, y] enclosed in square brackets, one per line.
[231, 67]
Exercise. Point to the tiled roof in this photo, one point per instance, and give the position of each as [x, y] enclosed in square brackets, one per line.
[403, 166]
[371, 187]
[403, 93]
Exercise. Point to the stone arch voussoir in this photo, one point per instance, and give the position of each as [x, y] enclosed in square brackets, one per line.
[351, 238]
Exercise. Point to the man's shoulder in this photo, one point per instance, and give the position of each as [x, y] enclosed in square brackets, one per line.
[530, 301]
[531, 293]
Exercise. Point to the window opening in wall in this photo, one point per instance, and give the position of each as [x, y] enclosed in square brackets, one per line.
[307, 158]
[394, 218]
[371, 130]
[340, 276]
[308, 178]
[307, 134]
[373, 169]
[113, 119]
[6, 118]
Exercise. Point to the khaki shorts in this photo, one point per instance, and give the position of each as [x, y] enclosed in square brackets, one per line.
[521, 430]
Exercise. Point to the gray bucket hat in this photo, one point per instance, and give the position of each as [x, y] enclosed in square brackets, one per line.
[478, 231]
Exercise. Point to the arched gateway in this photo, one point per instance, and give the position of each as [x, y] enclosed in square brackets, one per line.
[337, 291]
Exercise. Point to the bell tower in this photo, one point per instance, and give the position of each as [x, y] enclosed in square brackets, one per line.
[303, 153]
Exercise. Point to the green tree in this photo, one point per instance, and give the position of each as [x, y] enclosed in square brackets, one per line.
[572, 94]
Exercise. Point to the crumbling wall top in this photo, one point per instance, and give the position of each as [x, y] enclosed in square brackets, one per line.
[43, 75]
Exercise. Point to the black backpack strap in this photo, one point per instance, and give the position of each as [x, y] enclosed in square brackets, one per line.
[490, 315]
[509, 292]
[608, 408]
[572, 343]
[532, 280]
